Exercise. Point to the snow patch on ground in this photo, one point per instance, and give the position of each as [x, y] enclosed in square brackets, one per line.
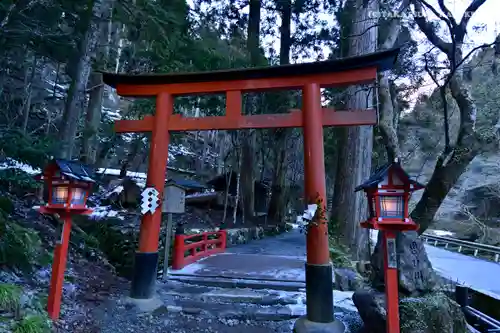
[441, 233]
[341, 299]
[116, 172]
[13, 164]
[286, 274]
[299, 309]
[189, 269]
[119, 189]
[101, 212]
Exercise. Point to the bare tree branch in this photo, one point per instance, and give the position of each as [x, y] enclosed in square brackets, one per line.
[427, 28]
[447, 12]
[434, 11]
[386, 124]
[6, 19]
[462, 30]
[360, 34]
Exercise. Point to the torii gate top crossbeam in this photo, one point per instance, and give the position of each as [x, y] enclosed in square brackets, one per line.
[337, 72]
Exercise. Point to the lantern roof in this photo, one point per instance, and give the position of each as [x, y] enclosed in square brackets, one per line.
[75, 170]
[383, 171]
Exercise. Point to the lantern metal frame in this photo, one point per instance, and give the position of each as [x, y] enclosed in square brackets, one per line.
[70, 175]
[381, 185]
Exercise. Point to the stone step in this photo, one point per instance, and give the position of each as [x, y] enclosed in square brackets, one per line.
[234, 306]
[263, 297]
[205, 293]
[238, 311]
[224, 282]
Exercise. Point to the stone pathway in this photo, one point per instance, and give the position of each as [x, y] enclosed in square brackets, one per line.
[257, 287]
[280, 258]
[292, 243]
[187, 308]
[247, 266]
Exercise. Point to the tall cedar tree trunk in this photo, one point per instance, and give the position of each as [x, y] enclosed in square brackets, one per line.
[29, 94]
[90, 140]
[93, 119]
[76, 95]
[248, 138]
[355, 143]
[277, 203]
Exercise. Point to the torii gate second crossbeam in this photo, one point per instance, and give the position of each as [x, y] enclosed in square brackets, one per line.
[310, 78]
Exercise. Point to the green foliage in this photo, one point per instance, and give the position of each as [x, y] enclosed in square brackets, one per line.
[339, 254]
[19, 247]
[6, 205]
[33, 324]
[26, 149]
[426, 122]
[119, 247]
[433, 313]
[10, 296]
[16, 180]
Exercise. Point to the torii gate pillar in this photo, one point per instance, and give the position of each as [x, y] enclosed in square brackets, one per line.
[319, 296]
[146, 258]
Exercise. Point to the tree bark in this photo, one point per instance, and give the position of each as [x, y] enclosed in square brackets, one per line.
[76, 95]
[415, 269]
[277, 203]
[248, 138]
[450, 166]
[355, 144]
[455, 157]
[90, 139]
[29, 94]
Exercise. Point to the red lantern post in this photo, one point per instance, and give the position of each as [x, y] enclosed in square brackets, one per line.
[68, 184]
[388, 191]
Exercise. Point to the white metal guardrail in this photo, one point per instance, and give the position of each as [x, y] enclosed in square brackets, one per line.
[477, 249]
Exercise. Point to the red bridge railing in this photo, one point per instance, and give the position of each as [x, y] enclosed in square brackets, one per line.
[187, 250]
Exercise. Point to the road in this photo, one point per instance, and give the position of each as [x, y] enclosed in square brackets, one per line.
[292, 243]
[477, 274]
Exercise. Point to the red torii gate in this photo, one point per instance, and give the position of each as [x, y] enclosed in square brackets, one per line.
[310, 77]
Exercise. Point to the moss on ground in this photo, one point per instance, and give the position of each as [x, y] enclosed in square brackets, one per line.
[20, 247]
[339, 255]
[119, 247]
[10, 296]
[31, 318]
[32, 324]
[434, 313]
[6, 205]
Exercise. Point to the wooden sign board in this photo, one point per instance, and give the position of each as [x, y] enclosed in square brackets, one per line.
[174, 199]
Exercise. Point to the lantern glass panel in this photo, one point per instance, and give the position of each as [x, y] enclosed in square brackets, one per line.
[59, 195]
[391, 206]
[78, 196]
